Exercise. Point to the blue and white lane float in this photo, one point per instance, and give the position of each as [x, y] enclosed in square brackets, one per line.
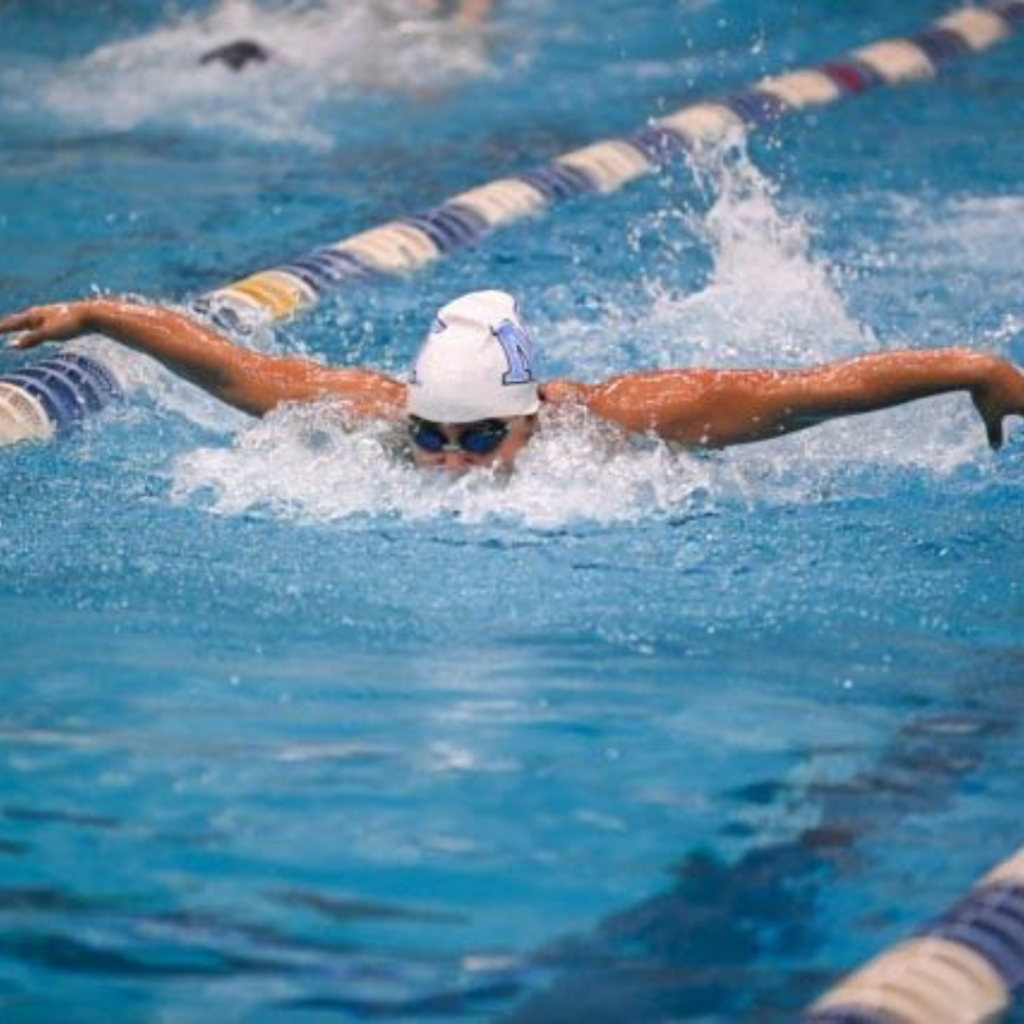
[53, 396]
[43, 400]
[962, 968]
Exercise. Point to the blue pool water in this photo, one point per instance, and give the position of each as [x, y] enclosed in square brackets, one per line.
[290, 732]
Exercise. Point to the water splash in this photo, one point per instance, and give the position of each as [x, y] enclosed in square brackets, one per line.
[769, 298]
[319, 51]
[303, 462]
[768, 301]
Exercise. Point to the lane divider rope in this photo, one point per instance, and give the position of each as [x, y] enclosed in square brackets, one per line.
[961, 969]
[53, 396]
[409, 243]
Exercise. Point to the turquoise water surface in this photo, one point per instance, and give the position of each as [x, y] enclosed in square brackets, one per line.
[292, 732]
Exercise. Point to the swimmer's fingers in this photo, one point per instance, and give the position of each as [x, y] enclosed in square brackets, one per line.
[42, 323]
[992, 416]
[994, 430]
[32, 334]
[30, 339]
[17, 321]
[28, 322]
[1001, 396]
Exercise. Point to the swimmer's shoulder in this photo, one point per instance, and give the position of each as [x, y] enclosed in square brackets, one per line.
[564, 393]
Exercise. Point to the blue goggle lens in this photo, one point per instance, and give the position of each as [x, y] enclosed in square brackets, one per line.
[476, 440]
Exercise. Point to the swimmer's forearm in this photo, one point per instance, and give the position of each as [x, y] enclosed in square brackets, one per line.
[882, 380]
[715, 408]
[199, 355]
[182, 345]
[250, 381]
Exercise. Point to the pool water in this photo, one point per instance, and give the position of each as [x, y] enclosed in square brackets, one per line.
[292, 732]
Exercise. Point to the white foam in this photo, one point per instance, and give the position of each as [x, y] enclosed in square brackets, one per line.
[301, 462]
[967, 235]
[320, 50]
[767, 301]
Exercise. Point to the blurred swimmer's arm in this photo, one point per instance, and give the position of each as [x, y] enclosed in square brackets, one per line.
[250, 381]
[473, 12]
[716, 408]
[470, 13]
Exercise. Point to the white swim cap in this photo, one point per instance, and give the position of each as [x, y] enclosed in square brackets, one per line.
[476, 363]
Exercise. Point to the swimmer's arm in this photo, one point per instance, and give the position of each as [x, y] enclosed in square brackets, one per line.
[716, 408]
[472, 13]
[250, 381]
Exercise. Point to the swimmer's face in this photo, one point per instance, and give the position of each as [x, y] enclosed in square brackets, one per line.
[458, 447]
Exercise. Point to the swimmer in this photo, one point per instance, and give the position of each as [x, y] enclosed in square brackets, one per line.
[236, 55]
[468, 13]
[472, 399]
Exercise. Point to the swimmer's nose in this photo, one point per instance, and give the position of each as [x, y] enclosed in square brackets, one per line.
[454, 462]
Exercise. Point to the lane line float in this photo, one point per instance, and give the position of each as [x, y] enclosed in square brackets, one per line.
[963, 968]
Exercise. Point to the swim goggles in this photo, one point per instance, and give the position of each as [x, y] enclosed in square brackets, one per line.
[476, 439]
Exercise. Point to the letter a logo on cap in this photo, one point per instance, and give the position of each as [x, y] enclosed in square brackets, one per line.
[518, 351]
[477, 363]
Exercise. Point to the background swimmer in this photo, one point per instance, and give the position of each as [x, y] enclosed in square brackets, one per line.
[236, 55]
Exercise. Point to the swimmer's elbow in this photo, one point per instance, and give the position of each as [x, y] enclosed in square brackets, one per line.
[256, 406]
[239, 389]
[258, 384]
[259, 398]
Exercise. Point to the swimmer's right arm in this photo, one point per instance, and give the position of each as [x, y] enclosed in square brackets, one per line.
[248, 380]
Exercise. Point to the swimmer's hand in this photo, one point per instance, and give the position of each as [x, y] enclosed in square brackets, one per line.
[998, 394]
[47, 323]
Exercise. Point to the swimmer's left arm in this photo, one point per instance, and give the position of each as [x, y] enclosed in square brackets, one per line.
[717, 408]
